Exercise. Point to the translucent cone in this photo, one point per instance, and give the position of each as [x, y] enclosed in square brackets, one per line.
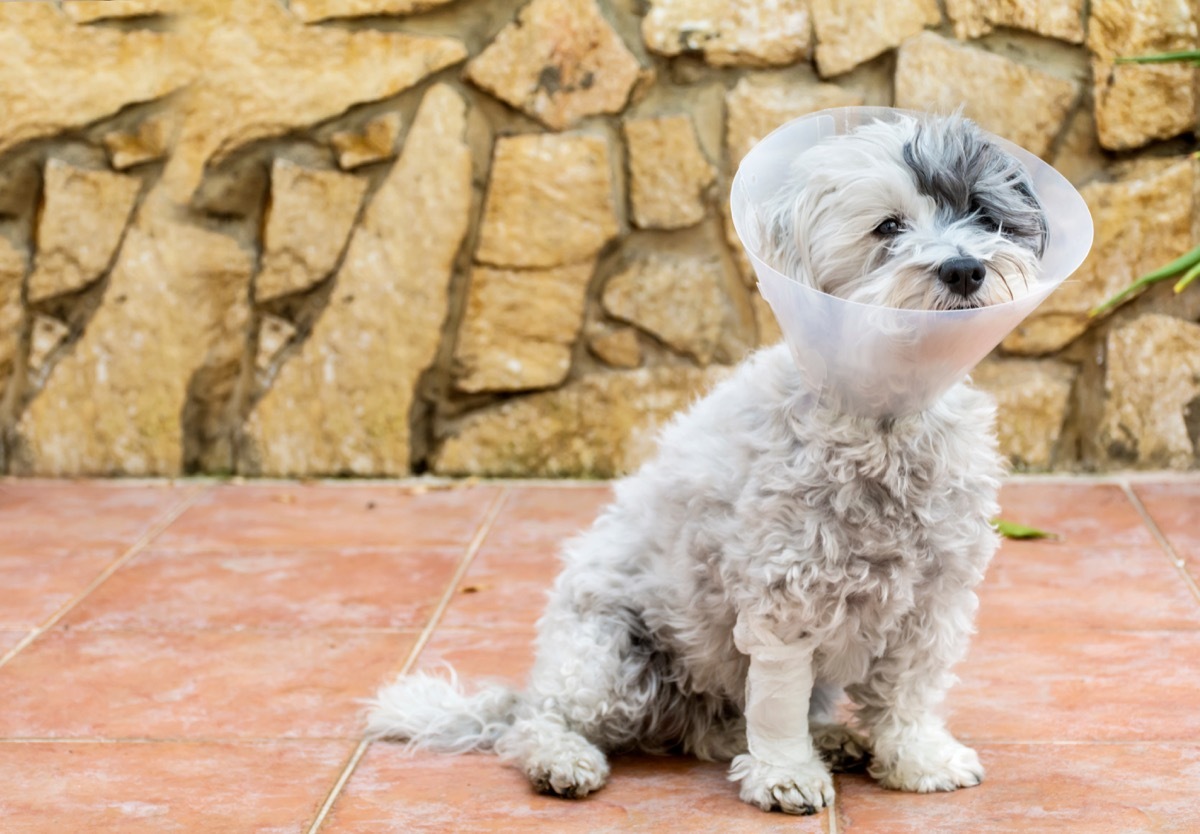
[879, 361]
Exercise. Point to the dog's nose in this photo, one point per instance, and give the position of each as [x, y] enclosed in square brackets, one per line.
[962, 275]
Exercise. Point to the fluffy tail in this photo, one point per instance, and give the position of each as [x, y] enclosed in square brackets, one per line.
[434, 713]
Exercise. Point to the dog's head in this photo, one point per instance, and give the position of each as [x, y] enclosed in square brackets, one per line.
[920, 214]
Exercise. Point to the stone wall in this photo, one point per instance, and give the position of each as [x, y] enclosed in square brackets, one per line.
[490, 237]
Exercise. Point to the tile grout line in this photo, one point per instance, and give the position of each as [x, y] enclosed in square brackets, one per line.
[526, 629]
[456, 579]
[154, 531]
[305, 740]
[1076, 742]
[1168, 549]
[440, 483]
[229, 740]
[1099, 478]
[336, 790]
[1071, 629]
[473, 546]
[238, 628]
[523, 629]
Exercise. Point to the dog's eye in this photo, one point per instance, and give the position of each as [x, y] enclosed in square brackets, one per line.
[983, 218]
[890, 227]
[988, 222]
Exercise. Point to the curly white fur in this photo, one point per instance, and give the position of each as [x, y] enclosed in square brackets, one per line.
[769, 542]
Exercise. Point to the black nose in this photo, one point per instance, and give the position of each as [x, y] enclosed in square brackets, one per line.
[962, 275]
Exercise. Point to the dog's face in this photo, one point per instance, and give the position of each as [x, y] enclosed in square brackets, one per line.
[925, 215]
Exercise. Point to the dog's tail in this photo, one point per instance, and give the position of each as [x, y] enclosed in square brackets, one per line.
[434, 713]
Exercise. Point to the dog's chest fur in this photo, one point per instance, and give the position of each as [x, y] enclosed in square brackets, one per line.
[868, 552]
[821, 524]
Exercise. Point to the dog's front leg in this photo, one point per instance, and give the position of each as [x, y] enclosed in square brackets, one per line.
[782, 770]
[911, 749]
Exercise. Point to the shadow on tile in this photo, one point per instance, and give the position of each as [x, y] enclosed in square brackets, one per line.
[393, 791]
[1043, 789]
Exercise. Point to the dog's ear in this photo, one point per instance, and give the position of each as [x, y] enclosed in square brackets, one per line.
[781, 220]
[1025, 188]
[1006, 192]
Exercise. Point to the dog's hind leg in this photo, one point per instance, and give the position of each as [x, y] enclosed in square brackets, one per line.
[719, 739]
[555, 758]
[840, 747]
[584, 698]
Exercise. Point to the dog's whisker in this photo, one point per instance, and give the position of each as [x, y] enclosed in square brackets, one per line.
[1004, 278]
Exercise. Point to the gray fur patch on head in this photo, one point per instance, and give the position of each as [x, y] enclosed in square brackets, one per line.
[973, 179]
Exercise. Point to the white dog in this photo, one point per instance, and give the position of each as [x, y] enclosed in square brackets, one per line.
[774, 552]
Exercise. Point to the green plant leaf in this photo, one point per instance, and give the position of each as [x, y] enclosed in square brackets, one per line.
[1186, 56]
[1185, 261]
[1181, 263]
[1188, 277]
[1012, 530]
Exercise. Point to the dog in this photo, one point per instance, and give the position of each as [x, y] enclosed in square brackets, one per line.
[775, 554]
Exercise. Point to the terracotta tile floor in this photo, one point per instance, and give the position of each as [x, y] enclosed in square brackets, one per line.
[194, 658]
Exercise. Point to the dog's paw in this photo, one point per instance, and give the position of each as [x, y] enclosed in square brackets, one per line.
[571, 769]
[795, 789]
[926, 766]
[844, 750]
